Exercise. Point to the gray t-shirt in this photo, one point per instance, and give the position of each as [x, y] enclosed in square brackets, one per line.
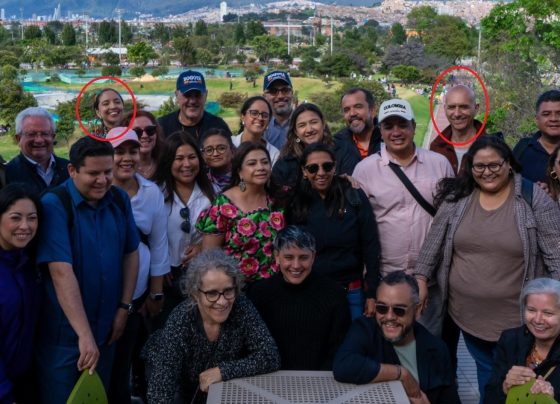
[407, 357]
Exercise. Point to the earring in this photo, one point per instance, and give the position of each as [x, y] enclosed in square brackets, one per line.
[553, 175]
[242, 185]
[298, 140]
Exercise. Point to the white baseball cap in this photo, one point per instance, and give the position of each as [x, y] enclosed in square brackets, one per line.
[396, 107]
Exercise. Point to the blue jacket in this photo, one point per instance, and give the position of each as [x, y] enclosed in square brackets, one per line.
[19, 169]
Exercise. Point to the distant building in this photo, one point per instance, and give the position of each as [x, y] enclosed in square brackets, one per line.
[57, 14]
[223, 10]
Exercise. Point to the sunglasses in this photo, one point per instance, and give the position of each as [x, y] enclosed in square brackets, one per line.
[314, 168]
[186, 214]
[283, 90]
[400, 311]
[149, 130]
[209, 150]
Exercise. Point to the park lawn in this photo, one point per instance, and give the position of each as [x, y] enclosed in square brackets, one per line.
[421, 107]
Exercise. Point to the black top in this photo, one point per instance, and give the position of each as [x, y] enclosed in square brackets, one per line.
[171, 124]
[307, 321]
[533, 158]
[343, 139]
[19, 169]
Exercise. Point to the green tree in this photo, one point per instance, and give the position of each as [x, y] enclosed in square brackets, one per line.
[308, 64]
[160, 71]
[266, 47]
[422, 19]
[137, 71]
[398, 34]
[32, 32]
[141, 53]
[201, 28]
[449, 38]
[9, 58]
[338, 65]
[68, 35]
[203, 57]
[111, 58]
[161, 33]
[8, 73]
[406, 74]
[239, 36]
[107, 32]
[50, 35]
[13, 100]
[254, 29]
[167, 107]
[111, 71]
[185, 51]
[56, 26]
[126, 32]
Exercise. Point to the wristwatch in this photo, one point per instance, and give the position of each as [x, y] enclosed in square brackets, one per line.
[157, 297]
[127, 306]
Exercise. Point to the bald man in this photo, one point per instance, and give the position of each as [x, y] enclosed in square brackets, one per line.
[460, 109]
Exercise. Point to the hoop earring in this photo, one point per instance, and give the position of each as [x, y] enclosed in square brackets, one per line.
[553, 175]
[298, 140]
[242, 185]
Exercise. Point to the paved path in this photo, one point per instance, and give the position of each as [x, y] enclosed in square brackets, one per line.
[441, 122]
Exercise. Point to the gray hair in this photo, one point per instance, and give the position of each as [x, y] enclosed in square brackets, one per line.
[539, 286]
[31, 112]
[209, 260]
[294, 236]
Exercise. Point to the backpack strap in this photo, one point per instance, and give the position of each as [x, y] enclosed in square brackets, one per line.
[527, 191]
[62, 193]
[427, 206]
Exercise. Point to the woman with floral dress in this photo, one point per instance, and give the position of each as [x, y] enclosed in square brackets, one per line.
[243, 220]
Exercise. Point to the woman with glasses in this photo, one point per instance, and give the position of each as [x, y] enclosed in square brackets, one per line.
[339, 218]
[255, 116]
[187, 191]
[108, 105]
[217, 150]
[151, 139]
[487, 240]
[215, 335]
[243, 219]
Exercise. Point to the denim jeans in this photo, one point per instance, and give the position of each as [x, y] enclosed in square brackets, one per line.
[356, 301]
[483, 353]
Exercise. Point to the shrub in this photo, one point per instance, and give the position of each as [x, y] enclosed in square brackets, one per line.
[232, 99]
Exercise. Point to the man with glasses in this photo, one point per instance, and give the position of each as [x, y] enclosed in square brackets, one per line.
[36, 165]
[394, 346]
[279, 92]
[190, 95]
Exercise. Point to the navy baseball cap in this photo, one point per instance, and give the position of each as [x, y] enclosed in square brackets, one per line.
[190, 80]
[274, 76]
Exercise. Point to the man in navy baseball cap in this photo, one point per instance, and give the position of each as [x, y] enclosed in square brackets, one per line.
[279, 92]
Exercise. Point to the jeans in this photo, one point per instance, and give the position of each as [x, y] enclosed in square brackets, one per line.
[356, 301]
[483, 353]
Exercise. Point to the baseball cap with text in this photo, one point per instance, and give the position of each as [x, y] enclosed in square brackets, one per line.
[276, 75]
[396, 107]
[190, 80]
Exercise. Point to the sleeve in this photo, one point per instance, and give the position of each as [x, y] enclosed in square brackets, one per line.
[371, 248]
[347, 160]
[215, 219]
[54, 240]
[159, 248]
[502, 364]
[340, 324]
[262, 354]
[132, 238]
[547, 215]
[5, 384]
[353, 363]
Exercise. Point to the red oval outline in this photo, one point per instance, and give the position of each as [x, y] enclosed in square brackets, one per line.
[434, 88]
[78, 107]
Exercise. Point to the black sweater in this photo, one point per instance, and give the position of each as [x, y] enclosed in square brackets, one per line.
[170, 124]
[307, 321]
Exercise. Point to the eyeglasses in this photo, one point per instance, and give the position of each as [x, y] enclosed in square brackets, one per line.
[149, 130]
[400, 311]
[186, 214]
[275, 90]
[493, 167]
[35, 135]
[314, 168]
[209, 150]
[253, 113]
[213, 295]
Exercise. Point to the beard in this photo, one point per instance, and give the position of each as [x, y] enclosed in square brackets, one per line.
[406, 330]
[363, 127]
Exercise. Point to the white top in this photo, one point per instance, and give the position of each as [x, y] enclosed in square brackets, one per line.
[272, 150]
[179, 241]
[149, 214]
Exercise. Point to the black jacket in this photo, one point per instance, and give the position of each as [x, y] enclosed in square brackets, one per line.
[344, 139]
[512, 350]
[170, 124]
[19, 169]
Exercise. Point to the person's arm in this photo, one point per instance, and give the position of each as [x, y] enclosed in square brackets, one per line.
[130, 274]
[547, 216]
[70, 300]
[370, 246]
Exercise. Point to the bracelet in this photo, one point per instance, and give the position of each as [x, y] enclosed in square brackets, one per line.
[399, 372]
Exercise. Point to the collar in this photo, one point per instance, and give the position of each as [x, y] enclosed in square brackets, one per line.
[52, 161]
[274, 122]
[196, 192]
[386, 157]
[78, 199]
[446, 133]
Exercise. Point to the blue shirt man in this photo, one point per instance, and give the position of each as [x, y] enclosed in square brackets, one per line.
[90, 248]
[278, 91]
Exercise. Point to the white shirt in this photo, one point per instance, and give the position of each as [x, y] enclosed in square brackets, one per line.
[149, 213]
[273, 151]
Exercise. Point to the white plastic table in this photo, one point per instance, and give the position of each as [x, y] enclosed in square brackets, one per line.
[303, 387]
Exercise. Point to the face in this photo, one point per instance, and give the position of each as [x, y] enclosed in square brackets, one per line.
[216, 152]
[215, 312]
[142, 125]
[295, 263]
[127, 157]
[321, 179]
[309, 127]
[487, 180]
[548, 118]
[18, 224]
[460, 109]
[186, 165]
[94, 178]
[255, 119]
[255, 168]
[357, 113]
[36, 138]
[398, 134]
[280, 96]
[397, 330]
[110, 108]
[542, 316]
[191, 104]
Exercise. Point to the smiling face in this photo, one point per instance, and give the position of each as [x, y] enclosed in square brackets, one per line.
[191, 105]
[147, 141]
[548, 118]
[460, 108]
[217, 152]
[487, 180]
[110, 108]
[18, 224]
[309, 127]
[395, 329]
[357, 113]
[256, 118]
[94, 177]
[127, 157]
[36, 139]
[217, 312]
[542, 316]
[319, 169]
[255, 168]
[280, 96]
[185, 166]
[398, 135]
[295, 263]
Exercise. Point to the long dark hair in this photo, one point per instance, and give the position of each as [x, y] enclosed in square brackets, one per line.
[160, 137]
[247, 104]
[335, 199]
[293, 146]
[163, 176]
[453, 189]
[553, 183]
[238, 158]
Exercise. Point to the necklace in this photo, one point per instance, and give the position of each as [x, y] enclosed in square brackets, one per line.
[535, 359]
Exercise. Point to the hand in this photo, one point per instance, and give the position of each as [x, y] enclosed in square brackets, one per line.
[119, 322]
[355, 184]
[516, 376]
[208, 377]
[423, 292]
[89, 353]
[419, 400]
[369, 310]
[411, 386]
[543, 387]
[153, 307]
[191, 252]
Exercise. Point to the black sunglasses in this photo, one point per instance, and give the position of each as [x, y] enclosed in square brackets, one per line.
[150, 130]
[400, 311]
[186, 214]
[314, 168]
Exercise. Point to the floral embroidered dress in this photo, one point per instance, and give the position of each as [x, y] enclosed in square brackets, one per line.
[248, 235]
